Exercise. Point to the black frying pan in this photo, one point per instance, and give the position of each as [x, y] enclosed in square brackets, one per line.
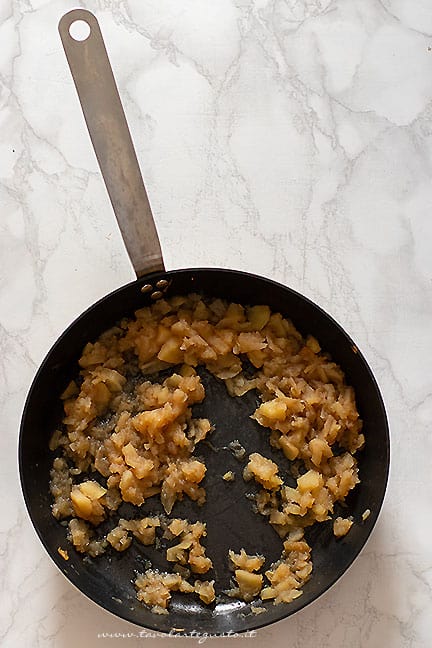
[231, 523]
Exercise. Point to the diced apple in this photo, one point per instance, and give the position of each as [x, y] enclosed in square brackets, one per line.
[82, 505]
[274, 410]
[309, 481]
[259, 316]
[92, 490]
[249, 584]
[170, 351]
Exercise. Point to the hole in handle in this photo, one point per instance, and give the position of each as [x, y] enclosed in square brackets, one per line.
[79, 30]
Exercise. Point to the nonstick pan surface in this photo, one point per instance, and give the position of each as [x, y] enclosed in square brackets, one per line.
[231, 522]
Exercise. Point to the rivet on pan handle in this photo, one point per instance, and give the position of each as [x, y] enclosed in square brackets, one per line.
[109, 132]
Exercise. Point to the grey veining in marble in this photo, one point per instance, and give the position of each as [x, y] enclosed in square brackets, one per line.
[291, 138]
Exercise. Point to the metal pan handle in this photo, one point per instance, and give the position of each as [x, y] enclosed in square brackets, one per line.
[109, 132]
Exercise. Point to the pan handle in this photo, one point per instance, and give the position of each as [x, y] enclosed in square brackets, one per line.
[112, 142]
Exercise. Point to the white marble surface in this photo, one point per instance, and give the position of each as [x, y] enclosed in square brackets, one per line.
[291, 138]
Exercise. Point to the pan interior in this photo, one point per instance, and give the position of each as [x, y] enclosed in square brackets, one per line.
[228, 513]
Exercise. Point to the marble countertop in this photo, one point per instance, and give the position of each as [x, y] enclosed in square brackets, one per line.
[290, 138]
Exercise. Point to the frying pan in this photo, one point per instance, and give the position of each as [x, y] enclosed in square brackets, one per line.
[231, 522]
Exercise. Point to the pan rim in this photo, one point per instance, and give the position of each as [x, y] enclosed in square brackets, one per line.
[254, 622]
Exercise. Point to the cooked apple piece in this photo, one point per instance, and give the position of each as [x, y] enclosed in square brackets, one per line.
[258, 316]
[274, 410]
[171, 352]
[249, 584]
[205, 590]
[309, 481]
[341, 526]
[92, 490]
[263, 470]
